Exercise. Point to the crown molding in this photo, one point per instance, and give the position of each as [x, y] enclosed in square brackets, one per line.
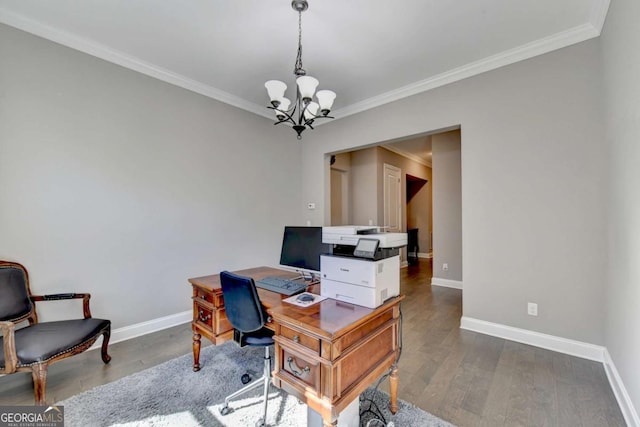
[599, 10]
[526, 51]
[409, 156]
[101, 51]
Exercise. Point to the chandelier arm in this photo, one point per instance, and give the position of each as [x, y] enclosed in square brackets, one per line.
[310, 121]
[285, 120]
[302, 108]
[323, 117]
[288, 118]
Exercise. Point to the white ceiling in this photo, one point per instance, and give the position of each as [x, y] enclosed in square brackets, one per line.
[369, 52]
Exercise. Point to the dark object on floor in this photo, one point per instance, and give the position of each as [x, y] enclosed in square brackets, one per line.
[412, 246]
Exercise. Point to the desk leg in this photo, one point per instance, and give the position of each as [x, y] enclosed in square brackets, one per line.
[393, 389]
[196, 351]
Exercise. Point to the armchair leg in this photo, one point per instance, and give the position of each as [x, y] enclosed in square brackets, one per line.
[105, 344]
[39, 374]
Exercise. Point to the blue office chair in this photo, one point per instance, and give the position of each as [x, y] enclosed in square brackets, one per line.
[248, 317]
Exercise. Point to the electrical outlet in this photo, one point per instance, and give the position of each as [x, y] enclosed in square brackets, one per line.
[532, 309]
[445, 267]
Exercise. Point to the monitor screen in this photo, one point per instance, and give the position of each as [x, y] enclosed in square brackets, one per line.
[302, 247]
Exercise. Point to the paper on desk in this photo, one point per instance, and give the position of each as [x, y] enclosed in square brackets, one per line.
[294, 299]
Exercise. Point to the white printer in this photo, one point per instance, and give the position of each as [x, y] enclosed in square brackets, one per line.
[363, 267]
[345, 238]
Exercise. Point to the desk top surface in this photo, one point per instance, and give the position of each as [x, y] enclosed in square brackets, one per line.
[328, 318]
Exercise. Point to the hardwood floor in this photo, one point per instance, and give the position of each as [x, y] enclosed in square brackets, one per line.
[471, 379]
[466, 378]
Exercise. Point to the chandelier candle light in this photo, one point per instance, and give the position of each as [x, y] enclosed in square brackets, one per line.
[304, 110]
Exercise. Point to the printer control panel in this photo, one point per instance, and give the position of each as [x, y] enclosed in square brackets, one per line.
[366, 248]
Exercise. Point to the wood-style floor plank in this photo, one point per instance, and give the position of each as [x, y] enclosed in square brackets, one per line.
[466, 378]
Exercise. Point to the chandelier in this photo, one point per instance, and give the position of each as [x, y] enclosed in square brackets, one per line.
[304, 110]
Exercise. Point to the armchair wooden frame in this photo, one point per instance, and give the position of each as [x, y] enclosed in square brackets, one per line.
[39, 369]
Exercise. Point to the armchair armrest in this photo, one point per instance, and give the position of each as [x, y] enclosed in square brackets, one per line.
[57, 297]
[10, 357]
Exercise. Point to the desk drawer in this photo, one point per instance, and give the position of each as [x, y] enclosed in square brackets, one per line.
[200, 294]
[300, 338]
[203, 316]
[302, 371]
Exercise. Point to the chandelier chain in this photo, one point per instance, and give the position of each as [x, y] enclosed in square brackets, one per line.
[299, 71]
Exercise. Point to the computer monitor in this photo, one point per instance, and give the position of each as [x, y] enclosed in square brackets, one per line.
[302, 247]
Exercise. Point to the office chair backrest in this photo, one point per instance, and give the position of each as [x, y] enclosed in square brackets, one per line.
[241, 302]
[15, 304]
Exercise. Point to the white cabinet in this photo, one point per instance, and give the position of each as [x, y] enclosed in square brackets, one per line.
[360, 281]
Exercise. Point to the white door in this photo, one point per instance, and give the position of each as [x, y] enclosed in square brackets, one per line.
[392, 198]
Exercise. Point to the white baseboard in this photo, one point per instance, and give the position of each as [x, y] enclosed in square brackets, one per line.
[537, 339]
[624, 401]
[447, 283]
[143, 328]
[425, 255]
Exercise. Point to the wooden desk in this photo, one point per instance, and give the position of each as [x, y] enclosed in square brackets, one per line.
[326, 354]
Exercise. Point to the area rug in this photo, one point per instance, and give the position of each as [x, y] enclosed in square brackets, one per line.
[171, 395]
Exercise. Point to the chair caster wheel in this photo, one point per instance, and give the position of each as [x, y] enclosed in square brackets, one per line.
[260, 423]
[225, 410]
[245, 379]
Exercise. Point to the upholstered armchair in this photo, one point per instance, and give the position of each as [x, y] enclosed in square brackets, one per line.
[35, 346]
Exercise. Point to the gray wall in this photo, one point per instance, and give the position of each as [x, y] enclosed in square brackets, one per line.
[120, 185]
[364, 187]
[447, 206]
[621, 59]
[533, 185]
[341, 200]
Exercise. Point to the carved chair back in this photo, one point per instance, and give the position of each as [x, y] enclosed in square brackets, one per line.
[15, 295]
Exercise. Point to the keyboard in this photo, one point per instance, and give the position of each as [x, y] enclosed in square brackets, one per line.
[281, 285]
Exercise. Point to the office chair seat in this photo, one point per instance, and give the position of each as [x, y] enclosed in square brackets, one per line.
[262, 338]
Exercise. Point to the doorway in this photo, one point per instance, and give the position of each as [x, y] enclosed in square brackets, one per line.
[418, 212]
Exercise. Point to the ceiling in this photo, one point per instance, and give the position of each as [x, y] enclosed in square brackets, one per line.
[369, 52]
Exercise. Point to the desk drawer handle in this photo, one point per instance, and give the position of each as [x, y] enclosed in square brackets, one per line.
[296, 339]
[204, 297]
[295, 370]
[203, 318]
